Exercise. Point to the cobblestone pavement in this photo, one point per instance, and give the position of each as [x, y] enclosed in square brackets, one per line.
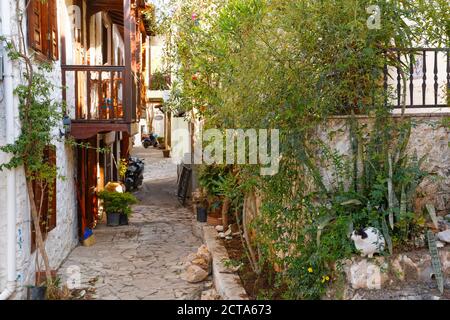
[142, 260]
[156, 166]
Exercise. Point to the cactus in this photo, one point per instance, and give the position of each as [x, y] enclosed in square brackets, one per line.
[321, 225]
[435, 261]
[386, 235]
[391, 193]
[432, 212]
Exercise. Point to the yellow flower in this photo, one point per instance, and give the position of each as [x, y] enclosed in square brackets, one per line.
[310, 270]
[327, 278]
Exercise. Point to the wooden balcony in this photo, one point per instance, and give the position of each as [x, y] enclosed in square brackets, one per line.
[107, 98]
[102, 99]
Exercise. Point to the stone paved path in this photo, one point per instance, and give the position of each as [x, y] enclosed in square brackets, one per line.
[144, 259]
[156, 166]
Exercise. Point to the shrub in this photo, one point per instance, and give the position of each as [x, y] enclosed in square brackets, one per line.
[115, 202]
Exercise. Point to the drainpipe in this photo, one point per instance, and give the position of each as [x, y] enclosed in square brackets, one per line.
[11, 178]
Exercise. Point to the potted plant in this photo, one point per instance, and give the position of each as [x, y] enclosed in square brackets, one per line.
[43, 286]
[37, 292]
[199, 204]
[117, 207]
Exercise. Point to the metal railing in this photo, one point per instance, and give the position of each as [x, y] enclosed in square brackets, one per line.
[427, 80]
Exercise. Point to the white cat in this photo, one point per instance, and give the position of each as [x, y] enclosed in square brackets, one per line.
[368, 241]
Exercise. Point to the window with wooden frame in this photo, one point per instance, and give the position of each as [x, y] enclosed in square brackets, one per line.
[43, 28]
[45, 200]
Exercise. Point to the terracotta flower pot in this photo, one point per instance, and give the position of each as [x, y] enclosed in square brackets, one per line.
[214, 220]
[41, 277]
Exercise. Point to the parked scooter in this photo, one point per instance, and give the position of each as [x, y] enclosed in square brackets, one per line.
[150, 140]
[134, 176]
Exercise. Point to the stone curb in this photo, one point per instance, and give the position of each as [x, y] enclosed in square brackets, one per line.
[228, 284]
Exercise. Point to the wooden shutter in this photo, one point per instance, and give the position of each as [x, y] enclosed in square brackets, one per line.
[34, 16]
[53, 29]
[40, 199]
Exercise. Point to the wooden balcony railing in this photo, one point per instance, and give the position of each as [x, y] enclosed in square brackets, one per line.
[98, 93]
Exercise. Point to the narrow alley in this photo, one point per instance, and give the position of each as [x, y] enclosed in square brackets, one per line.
[145, 259]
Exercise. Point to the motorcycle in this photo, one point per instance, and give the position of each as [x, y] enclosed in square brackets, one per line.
[134, 176]
[150, 140]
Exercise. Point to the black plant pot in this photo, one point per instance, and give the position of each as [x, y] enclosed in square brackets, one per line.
[113, 219]
[123, 220]
[202, 215]
[37, 293]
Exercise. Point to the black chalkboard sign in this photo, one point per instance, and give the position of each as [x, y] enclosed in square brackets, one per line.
[183, 184]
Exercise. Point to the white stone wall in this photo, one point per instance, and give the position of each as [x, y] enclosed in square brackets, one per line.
[429, 137]
[2, 192]
[64, 237]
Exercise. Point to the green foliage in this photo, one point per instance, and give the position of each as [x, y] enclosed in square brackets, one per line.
[159, 81]
[123, 167]
[150, 16]
[209, 177]
[39, 114]
[290, 65]
[115, 202]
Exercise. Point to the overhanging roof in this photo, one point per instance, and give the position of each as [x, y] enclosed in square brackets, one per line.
[115, 10]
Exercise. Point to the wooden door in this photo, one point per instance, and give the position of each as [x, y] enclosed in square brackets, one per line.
[87, 185]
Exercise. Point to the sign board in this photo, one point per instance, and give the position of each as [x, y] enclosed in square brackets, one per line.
[183, 184]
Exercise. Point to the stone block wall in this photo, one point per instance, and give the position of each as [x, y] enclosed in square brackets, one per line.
[429, 137]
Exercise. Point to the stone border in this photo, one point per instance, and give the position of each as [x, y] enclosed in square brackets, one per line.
[227, 283]
[383, 272]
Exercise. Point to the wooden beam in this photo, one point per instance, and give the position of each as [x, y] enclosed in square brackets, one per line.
[89, 129]
[62, 35]
[128, 83]
[105, 5]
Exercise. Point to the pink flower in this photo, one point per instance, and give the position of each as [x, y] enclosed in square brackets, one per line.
[194, 16]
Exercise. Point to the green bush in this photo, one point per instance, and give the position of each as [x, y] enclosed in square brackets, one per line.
[115, 202]
[159, 81]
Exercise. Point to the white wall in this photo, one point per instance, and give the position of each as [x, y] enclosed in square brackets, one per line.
[159, 125]
[157, 53]
[181, 140]
[418, 81]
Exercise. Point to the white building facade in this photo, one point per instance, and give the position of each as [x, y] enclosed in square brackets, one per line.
[14, 201]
